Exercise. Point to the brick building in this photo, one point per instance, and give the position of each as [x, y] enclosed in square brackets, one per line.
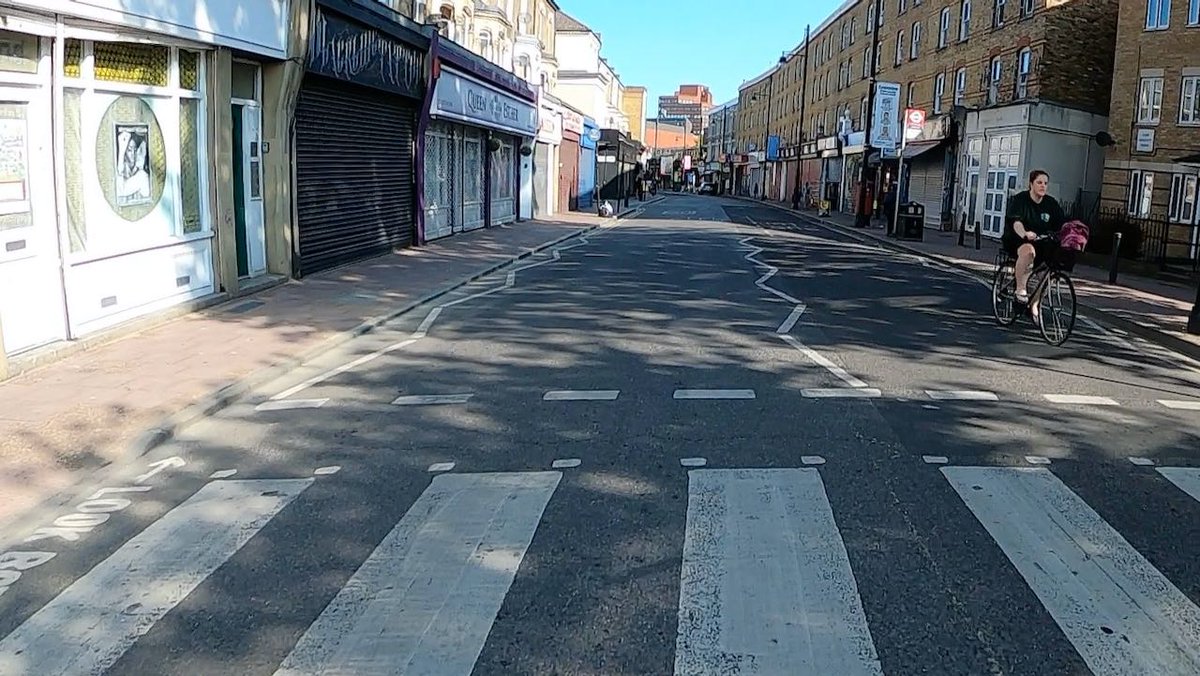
[691, 101]
[633, 104]
[1151, 173]
[1007, 85]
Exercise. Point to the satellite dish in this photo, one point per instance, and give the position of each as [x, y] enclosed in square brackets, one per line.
[1105, 140]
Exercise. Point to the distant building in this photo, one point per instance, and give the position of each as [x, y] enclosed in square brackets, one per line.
[691, 101]
[633, 104]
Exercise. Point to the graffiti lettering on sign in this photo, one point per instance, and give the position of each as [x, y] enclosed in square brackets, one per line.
[359, 54]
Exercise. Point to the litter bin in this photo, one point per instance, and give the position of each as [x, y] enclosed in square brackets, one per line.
[910, 223]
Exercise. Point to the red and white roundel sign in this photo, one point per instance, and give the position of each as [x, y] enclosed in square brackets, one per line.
[916, 118]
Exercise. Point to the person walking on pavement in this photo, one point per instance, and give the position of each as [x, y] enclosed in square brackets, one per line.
[889, 209]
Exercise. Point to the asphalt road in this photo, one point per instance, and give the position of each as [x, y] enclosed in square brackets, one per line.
[714, 439]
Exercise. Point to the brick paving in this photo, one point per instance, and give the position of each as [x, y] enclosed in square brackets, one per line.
[85, 410]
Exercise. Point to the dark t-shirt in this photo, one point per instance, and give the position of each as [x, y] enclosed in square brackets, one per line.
[1043, 218]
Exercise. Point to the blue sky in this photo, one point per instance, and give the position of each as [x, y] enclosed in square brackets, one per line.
[661, 44]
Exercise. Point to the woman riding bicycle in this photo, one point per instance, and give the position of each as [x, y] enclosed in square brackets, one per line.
[1031, 214]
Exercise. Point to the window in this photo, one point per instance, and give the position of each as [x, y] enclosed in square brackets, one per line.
[867, 63]
[998, 15]
[878, 60]
[1189, 101]
[944, 28]
[882, 11]
[1183, 199]
[862, 110]
[903, 7]
[939, 90]
[997, 74]
[1158, 14]
[964, 21]
[1141, 193]
[870, 17]
[1150, 94]
[849, 70]
[960, 86]
[1194, 13]
[1027, 7]
[911, 97]
[1024, 63]
[899, 48]
[915, 50]
[853, 28]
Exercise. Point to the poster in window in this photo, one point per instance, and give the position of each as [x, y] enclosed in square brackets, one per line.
[132, 184]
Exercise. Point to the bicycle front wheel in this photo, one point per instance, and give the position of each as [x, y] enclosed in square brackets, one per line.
[1003, 297]
[1057, 309]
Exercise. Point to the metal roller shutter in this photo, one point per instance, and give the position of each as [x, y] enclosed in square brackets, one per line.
[926, 184]
[355, 195]
[568, 176]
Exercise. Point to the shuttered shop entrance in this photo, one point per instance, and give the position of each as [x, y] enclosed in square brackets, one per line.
[927, 185]
[355, 195]
[568, 176]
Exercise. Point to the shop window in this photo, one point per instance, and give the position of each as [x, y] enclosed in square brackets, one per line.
[18, 52]
[15, 208]
[189, 70]
[72, 58]
[134, 147]
[132, 63]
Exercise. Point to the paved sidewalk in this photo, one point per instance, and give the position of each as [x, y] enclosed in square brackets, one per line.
[1155, 310]
[119, 399]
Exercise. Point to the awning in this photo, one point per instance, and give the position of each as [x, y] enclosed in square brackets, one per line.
[1189, 159]
[920, 148]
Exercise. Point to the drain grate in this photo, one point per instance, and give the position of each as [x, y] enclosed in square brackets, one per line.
[243, 308]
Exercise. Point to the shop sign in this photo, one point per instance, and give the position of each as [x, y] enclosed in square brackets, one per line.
[550, 125]
[572, 121]
[348, 51]
[885, 122]
[1144, 142]
[461, 98]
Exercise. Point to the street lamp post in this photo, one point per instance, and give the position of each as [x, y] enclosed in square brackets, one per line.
[803, 103]
[862, 219]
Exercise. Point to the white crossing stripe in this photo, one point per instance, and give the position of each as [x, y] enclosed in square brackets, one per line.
[87, 627]
[424, 601]
[841, 393]
[431, 399]
[766, 585]
[1181, 405]
[1121, 613]
[714, 394]
[581, 395]
[1186, 478]
[290, 404]
[1080, 399]
[962, 395]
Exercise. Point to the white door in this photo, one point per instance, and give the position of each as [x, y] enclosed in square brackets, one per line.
[256, 232]
[31, 299]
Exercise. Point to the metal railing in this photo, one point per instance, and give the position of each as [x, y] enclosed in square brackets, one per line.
[1172, 247]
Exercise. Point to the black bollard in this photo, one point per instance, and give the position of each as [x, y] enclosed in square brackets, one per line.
[1114, 259]
[962, 230]
[978, 236]
[1193, 325]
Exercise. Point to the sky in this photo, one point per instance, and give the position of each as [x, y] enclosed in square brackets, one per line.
[661, 44]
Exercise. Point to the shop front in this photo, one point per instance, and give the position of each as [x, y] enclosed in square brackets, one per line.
[929, 171]
[568, 168]
[587, 164]
[355, 123]
[546, 155]
[481, 123]
[616, 166]
[830, 182]
[109, 148]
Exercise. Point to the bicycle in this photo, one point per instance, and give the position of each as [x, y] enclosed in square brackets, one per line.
[1053, 293]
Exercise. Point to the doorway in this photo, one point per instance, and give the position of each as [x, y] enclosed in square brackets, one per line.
[249, 225]
[31, 297]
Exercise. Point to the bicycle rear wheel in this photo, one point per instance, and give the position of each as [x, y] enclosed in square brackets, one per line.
[1003, 296]
[1057, 309]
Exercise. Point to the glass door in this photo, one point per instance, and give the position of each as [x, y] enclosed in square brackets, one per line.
[31, 300]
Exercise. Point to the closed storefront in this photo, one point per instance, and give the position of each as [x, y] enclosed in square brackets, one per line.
[929, 171]
[480, 120]
[355, 185]
[106, 212]
[587, 165]
[546, 158]
[568, 167]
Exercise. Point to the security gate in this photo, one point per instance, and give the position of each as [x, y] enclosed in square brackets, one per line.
[504, 182]
[453, 180]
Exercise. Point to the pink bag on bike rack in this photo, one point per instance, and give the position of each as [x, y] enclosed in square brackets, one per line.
[1074, 235]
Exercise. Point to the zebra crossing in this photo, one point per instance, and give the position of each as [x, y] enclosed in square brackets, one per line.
[766, 583]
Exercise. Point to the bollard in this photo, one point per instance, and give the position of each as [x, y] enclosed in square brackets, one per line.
[1113, 261]
[1193, 325]
[962, 230]
[978, 236]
